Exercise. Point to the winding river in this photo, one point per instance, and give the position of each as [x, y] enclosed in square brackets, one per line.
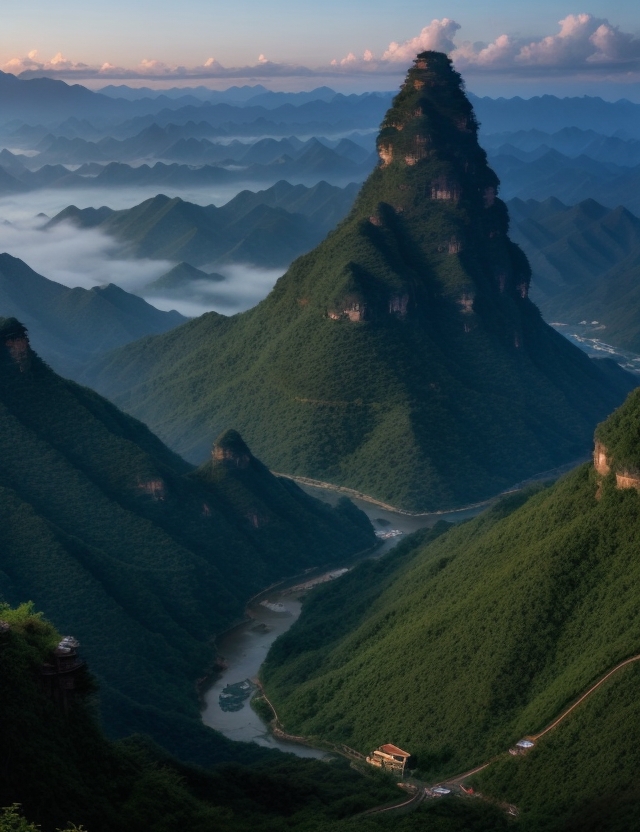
[245, 647]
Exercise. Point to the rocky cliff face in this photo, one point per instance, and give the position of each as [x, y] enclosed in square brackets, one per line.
[624, 477]
[16, 343]
[230, 451]
[617, 444]
[600, 461]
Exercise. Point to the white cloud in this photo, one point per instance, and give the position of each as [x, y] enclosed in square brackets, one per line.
[30, 62]
[583, 42]
[437, 36]
[244, 286]
[88, 257]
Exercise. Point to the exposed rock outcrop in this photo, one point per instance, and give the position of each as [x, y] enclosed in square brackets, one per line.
[154, 488]
[624, 477]
[600, 461]
[627, 480]
[16, 342]
[230, 451]
[386, 153]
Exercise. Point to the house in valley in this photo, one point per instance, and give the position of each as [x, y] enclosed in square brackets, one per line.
[389, 757]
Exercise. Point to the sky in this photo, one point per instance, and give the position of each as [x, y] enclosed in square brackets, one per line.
[502, 47]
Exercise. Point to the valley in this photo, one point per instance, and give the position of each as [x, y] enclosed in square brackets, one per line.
[297, 390]
[244, 648]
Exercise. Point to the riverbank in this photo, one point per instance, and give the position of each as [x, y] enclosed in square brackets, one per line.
[245, 647]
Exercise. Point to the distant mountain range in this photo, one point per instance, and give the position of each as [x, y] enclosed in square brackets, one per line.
[269, 228]
[43, 101]
[178, 144]
[70, 326]
[499, 115]
[314, 162]
[569, 179]
[402, 356]
[247, 94]
[570, 141]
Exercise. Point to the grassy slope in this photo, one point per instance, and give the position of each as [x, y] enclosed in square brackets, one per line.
[479, 637]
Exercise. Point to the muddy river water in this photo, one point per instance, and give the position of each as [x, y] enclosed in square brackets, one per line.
[245, 647]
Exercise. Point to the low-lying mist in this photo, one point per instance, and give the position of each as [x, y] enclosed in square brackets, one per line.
[88, 257]
[245, 285]
[76, 257]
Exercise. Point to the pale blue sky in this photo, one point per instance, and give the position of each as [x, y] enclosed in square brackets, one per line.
[187, 33]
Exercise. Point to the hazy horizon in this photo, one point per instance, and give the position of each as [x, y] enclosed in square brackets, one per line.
[502, 48]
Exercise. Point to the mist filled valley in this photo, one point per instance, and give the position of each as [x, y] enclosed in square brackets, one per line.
[320, 433]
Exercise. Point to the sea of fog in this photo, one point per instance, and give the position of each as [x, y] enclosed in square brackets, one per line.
[88, 257]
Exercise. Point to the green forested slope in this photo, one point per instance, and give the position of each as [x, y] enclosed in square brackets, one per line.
[586, 261]
[56, 763]
[69, 326]
[583, 776]
[456, 648]
[402, 356]
[113, 535]
[269, 228]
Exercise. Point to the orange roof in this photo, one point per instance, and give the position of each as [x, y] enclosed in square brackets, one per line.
[393, 749]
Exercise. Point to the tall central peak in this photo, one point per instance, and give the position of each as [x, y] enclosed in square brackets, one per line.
[432, 127]
[434, 183]
[401, 357]
[430, 118]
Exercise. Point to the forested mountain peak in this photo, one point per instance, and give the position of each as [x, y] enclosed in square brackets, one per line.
[432, 119]
[435, 193]
[14, 338]
[230, 450]
[401, 357]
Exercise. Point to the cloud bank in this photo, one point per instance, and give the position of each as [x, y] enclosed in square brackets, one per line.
[583, 44]
[88, 258]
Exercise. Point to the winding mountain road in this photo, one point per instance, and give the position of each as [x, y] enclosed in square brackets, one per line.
[460, 778]
[422, 793]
